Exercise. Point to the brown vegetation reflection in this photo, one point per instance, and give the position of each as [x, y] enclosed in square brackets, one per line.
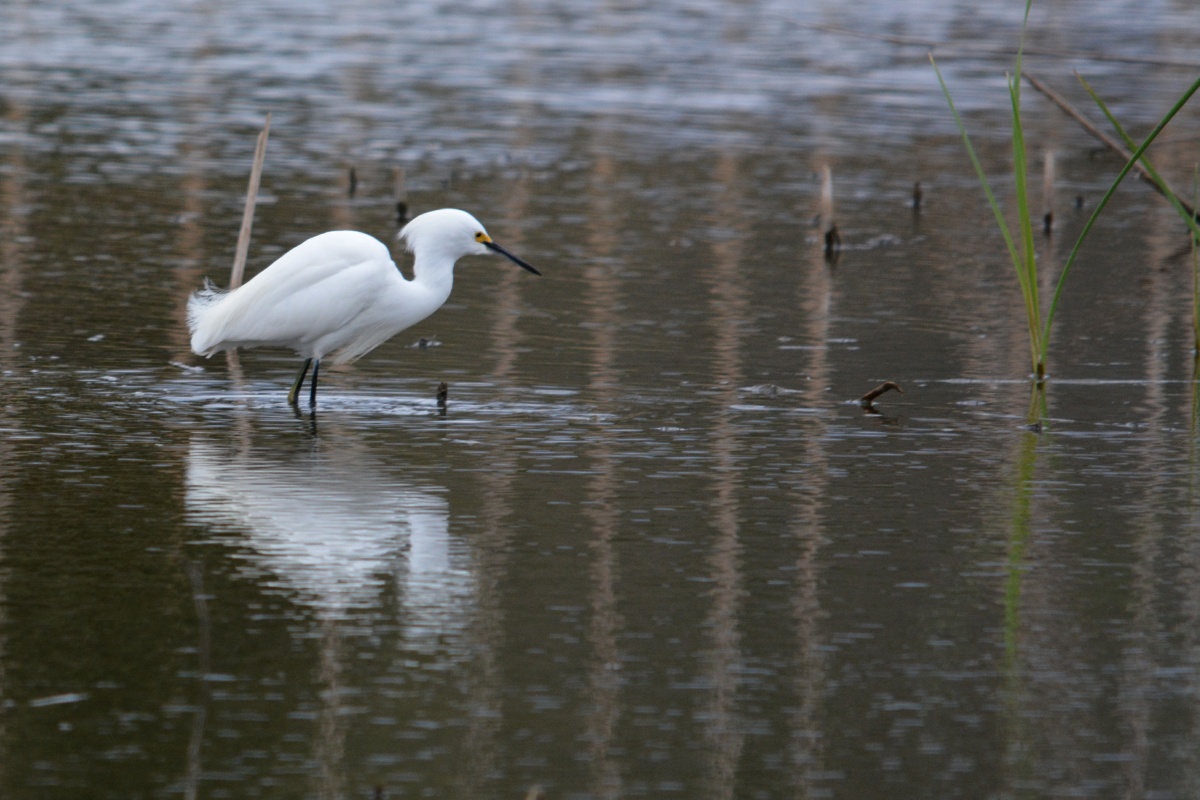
[481, 747]
[729, 312]
[807, 527]
[604, 676]
[1043, 628]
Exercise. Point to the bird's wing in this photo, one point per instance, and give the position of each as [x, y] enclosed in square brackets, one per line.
[312, 290]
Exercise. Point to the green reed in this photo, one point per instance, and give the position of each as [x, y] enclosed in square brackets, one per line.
[1021, 247]
[1023, 256]
[1188, 215]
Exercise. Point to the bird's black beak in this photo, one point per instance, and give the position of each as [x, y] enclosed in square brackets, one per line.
[518, 261]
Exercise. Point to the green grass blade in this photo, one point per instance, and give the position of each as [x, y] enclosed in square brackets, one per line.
[1187, 216]
[1027, 268]
[1027, 265]
[1016, 256]
[1137, 154]
[1132, 145]
[987, 187]
[1195, 275]
[1021, 47]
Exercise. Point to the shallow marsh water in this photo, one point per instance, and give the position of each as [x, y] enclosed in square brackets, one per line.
[652, 546]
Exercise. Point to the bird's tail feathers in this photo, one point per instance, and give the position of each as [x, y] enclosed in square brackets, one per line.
[200, 301]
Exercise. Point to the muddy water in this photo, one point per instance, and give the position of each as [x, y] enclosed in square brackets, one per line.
[652, 546]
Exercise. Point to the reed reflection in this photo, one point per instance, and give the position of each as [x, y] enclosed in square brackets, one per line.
[1141, 664]
[730, 310]
[604, 679]
[1043, 616]
[808, 500]
[481, 746]
[1162, 645]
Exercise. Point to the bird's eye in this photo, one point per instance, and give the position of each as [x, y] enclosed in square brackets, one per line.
[479, 237]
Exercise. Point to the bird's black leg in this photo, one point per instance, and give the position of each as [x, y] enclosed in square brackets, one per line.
[300, 382]
[312, 387]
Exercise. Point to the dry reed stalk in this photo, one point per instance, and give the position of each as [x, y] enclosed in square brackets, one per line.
[400, 194]
[1048, 192]
[833, 240]
[1112, 144]
[243, 242]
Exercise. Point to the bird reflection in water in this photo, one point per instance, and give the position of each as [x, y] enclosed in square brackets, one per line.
[333, 531]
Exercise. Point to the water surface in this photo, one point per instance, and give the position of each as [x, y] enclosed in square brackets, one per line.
[652, 546]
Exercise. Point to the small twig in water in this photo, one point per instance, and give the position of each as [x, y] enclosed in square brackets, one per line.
[868, 398]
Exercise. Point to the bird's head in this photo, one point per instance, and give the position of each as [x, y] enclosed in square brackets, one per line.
[449, 233]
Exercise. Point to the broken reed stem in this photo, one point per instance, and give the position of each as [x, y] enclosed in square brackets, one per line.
[833, 240]
[1048, 192]
[825, 202]
[1112, 144]
[886, 386]
[243, 242]
[400, 195]
[398, 184]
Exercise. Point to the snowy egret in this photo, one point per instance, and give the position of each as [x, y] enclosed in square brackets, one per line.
[340, 293]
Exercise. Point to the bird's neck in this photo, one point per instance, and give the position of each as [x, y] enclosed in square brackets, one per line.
[434, 272]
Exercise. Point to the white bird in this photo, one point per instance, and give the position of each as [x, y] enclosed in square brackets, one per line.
[339, 293]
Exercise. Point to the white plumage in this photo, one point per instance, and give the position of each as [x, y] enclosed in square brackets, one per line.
[339, 294]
